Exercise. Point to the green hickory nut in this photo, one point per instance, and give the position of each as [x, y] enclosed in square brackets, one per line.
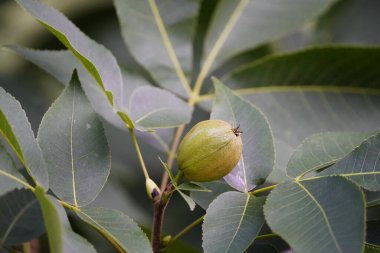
[209, 151]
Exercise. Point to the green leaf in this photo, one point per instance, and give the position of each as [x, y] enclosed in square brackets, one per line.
[313, 69]
[153, 108]
[60, 64]
[61, 237]
[240, 25]
[370, 248]
[16, 129]
[52, 222]
[320, 215]
[362, 165]
[258, 152]
[73, 141]
[321, 150]
[193, 187]
[20, 218]
[204, 199]
[8, 172]
[189, 201]
[118, 227]
[99, 61]
[373, 198]
[147, 105]
[344, 23]
[313, 84]
[232, 222]
[159, 36]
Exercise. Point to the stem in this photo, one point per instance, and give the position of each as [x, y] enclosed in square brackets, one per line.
[143, 167]
[187, 229]
[18, 180]
[266, 236]
[265, 189]
[158, 218]
[26, 247]
[67, 205]
[171, 156]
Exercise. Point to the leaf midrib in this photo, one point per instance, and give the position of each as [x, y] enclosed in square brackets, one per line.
[14, 221]
[331, 232]
[240, 221]
[72, 150]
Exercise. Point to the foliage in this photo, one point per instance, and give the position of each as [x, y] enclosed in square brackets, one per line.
[310, 168]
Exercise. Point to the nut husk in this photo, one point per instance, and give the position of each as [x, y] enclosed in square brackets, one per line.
[209, 151]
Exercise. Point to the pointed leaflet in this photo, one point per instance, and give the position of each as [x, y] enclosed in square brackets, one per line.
[16, 130]
[320, 215]
[321, 150]
[159, 35]
[362, 165]
[8, 172]
[20, 218]
[117, 226]
[61, 237]
[149, 107]
[152, 107]
[99, 61]
[232, 222]
[73, 142]
[258, 148]
[319, 66]
[244, 24]
[60, 64]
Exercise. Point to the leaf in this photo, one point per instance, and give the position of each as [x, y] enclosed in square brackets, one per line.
[60, 64]
[189, 201]
[320, 215]
[99, 61]
[20, 218]
[193, 187]
[370, 248]
[362, 165]
[16, 129]
[8, 172]
[373, 198]
[153, 108]
[240, 25]
[117, 226]
[258, 152]
[54, 228]
[232, 222]
[159, 36]
[61, 237]
[73, 141]
[344, 23]
[204, 199]
[321, 150]
[313, 68]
